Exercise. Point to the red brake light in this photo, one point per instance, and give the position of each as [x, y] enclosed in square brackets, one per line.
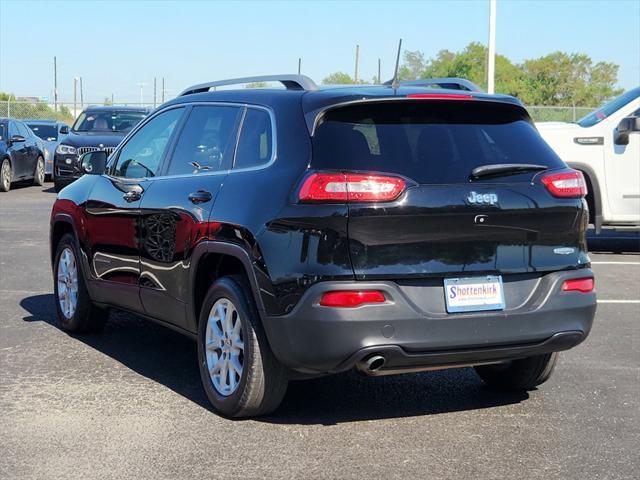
[350, 187]
[442, 96]
[584, 285]
[569, 184]
[351, 298]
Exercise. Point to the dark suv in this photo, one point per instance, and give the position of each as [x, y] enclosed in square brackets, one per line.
[301, 232]
[96, 128]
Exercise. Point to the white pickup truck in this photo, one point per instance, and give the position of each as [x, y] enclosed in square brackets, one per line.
[605, 147]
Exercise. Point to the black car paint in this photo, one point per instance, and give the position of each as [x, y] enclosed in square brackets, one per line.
[288, 248]
[22, 155]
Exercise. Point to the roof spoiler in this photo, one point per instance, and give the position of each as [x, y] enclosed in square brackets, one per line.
[290, 82]
[450, 83]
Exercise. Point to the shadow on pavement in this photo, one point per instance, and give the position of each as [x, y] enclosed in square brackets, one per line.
[170, 359]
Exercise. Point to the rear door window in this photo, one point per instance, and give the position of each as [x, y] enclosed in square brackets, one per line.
[430, 142]
[207, 141]
[255, 146]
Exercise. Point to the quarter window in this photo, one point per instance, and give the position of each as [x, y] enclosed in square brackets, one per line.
[256, 142]
[206, 141]
[142, 155]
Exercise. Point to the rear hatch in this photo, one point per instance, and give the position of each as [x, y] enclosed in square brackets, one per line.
[447, 221]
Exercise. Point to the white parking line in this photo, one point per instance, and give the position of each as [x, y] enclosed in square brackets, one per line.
[618, 301]
[615, 263]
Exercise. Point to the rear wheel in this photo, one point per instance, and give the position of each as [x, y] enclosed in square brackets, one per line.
[76, 312]
[5, 175]
[38, 176]
[239, 372]
[523, 374]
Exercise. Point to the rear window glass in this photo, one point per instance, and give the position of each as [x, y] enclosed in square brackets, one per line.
[429, 141]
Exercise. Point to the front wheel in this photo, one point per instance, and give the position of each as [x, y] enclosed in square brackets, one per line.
[5, 175]
[524, 374]
[240, 374]
[76, 312]
[38, 176]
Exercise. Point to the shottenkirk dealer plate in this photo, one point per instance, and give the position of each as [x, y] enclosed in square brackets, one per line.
[474, 294]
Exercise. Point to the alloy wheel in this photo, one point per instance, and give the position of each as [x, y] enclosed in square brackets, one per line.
[67, 283]
[6, 175]
[40, 170]
[224, 347]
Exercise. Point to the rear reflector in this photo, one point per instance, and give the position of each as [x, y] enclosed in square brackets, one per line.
[351, 298]
[584, 285]
[569, 184]
[350, 187]
[441, 96]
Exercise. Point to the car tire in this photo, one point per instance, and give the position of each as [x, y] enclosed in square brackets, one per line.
[76, 312]
[38, 175]
[523, 374]
[5, 175]
[261, 382]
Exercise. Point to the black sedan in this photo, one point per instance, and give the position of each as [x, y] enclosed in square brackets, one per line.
[21, 154]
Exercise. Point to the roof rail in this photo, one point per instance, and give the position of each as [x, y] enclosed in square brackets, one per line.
[291, 82]
[451, 83]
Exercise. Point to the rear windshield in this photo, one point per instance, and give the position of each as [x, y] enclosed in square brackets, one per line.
[107, 121]
[45, 132]
[429, 141]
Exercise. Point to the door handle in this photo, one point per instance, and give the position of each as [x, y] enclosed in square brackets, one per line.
[201, 196]
[132, 196]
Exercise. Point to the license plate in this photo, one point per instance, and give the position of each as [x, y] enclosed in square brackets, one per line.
[474, 294]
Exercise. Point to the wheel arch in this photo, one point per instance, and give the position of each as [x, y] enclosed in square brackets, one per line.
[213, 260]
[594, 196]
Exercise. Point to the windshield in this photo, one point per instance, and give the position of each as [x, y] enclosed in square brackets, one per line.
[108, 121]
[430, 142]
[45, 132]
[613, 106]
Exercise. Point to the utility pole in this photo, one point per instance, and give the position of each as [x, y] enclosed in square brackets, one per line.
[299, 65]
[154, 92]
[55, 84]
[491, 70]
[141, 97]
[81, 95]
[75, 102]
[379, 69]
[355, 78]
[162, 89]
[112, 99]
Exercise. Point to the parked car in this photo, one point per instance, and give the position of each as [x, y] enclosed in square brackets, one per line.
[301, 232]
[96, 128]
[605, 147]
[21, 154]
[51, 132]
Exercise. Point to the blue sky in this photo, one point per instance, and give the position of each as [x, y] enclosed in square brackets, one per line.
[115, 45]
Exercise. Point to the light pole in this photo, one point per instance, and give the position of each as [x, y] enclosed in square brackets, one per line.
[75, 97]
[491, 68]
[141, 85]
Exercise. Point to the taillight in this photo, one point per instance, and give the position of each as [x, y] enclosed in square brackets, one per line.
[350, 187]
[584, 285]
[569, 184]
[351, 298]
[442, 96]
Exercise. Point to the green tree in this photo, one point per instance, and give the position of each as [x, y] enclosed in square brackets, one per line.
[338, 78]
[107, 101]
[256, 85]
[413, 66]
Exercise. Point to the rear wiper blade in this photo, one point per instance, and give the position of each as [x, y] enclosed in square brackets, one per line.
[505, 169]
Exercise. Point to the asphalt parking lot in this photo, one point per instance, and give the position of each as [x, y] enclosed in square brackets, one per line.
[128, 403]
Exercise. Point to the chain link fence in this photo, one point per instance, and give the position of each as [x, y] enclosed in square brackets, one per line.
[62, 111]
[67, 112]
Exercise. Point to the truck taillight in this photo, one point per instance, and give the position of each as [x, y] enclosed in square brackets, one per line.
[567, 184]
[350, 187]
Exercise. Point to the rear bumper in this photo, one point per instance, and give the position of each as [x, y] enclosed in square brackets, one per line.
[412, 330]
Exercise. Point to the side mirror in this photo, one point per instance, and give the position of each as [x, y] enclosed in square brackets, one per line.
[64, 129]
[625, 127]
[17, 139]
[94, 163]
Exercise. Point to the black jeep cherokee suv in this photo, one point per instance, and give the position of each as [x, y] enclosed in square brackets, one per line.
[299, 232]
[96, 128]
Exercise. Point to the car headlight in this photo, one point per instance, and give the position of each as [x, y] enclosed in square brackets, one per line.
[66, 150]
